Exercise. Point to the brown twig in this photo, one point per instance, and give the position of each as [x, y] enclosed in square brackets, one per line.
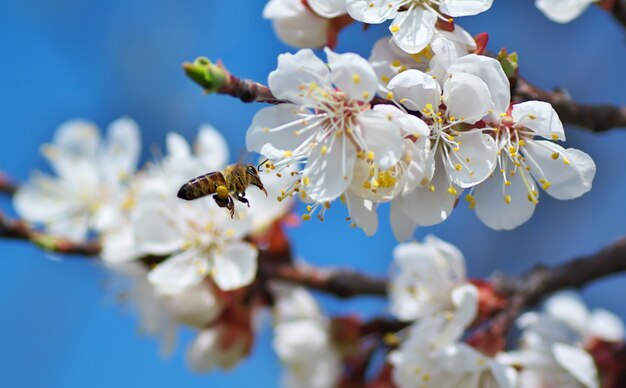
[21, 231]
[617, 9]
[598, 118]
[6, 185]
[340, 283]
[529, 289]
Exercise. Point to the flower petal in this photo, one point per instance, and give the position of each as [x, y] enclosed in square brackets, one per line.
[372, 11]
[362, 213]
[539, 117]
[474, 161]
[605, 325]
[295, 74]
[381, 133]
[577, 362]
[122, 149]
[570, 172]
[272, 130]
[296, 25]
[415, 89]
[156, 230]
[464, 7]
[467, 97]
[328, 8]
[413, 30]
[179, 272]
[211, 148]
[401, 225]
[491, 201]
[562, 11]
[353, 75]
[235, 266]
[328, 172]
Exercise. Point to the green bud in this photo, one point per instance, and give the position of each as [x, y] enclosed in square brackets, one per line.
[45, 242]
[206, 74]
[509, 63]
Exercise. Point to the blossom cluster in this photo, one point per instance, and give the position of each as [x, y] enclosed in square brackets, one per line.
[445, 125]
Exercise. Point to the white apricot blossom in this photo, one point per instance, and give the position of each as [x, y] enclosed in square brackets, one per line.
[328, 8]
[563, 11]
[427, 278]
[460, 155]
[302, 340]
[508, 198]
[445, 48]
[91, 182]
[295, 24]
[433, 356]
[550, 354]
[327, 125]
[414, 21]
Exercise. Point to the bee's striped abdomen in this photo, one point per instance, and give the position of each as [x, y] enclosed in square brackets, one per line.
[201, 186]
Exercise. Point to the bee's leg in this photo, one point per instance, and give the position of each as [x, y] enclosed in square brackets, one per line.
[241, 197]
[227, 203]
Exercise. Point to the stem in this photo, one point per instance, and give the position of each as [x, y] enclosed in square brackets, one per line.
[6, 185]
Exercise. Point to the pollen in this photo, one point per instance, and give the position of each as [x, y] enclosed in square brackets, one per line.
[370, 155]
[555, 137]
[507, 183]
[309, 208]
[384, 78]
[366, 95]
[356, 78]
[458, 167]
[545, 184]
[306, 217]
[391, 339]
[507, 199]
[452, 191]
[390, 96]
[396, 63]
[471, 200]
[287, 154]
[565, 160]
[531, 116]
[324, 150]
[431, 188]
[306, 180]
[555, 155]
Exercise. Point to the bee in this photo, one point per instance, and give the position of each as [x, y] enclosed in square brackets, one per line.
[226, 185]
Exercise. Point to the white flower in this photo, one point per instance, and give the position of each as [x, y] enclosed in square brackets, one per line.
[445, 48]
[295, 24]
[460, 156]
[550, 355]
[215, 347]
[328, 125]
[432, 356]
[508, 198]
[425, 279]
[413, 20]
[302, 340]
[91, 179]
[563, 11]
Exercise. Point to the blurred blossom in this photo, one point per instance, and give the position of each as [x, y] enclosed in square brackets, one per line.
[92, 179]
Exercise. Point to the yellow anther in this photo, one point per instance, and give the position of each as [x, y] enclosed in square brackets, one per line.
[452, 118]
[431, 188]
[545, 184]
[396, 63]
[512, 150]
[353, 225]
[471, 200]
[309, 208]
[324, 150]
[391, 339]
[458, 167]
[565, 160]
[370, 155]
[384, 78]
[366, 95]
[287, 154]
[507, 183]
[426, 377]
[327, 205]
[306, 217]
[531, 116]
[394, 29]
[342, 198]
[521, 143]
[306, 180]
[452, 191]
[266, 129]
[367, 185]
[356, 78]
[390, 96]
[555, 137]
[507, 199]
[555, 155]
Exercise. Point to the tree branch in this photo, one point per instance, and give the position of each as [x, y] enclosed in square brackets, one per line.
[598, 118]
[6, 185]
[617, 9]
[340, 283]
[529, 289]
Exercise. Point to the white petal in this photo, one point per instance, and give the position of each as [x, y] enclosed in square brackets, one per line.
[177, 147]
[123, 148]
[202, 354]
[605, 325]
[476, 159]
[295, 24]
[74, 151]
[43, 199]
[401, 225]
[562, 11]
[372, 11]
[540, 117]
[490, 72]
[272, 143]
[570, 174]
[328, 8]
[454, 259]
[353, 75]
[569, 307]
[363, 213]
[418, 88]
[179, 272]
[330, 174]
[413, 30]
[235, 266]
[426, 207]
[491, 206]
[465, 7]
[381, 134]
[211, 148]
[194, 306]
[118, 246]
[577, 362]
[467, 97]
[294, 71]
[465, 298]
[408, 124]
[156, 230]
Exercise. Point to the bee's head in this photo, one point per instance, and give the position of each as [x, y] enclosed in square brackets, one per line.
[255, 180]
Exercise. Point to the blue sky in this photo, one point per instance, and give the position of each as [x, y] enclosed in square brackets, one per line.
[101, 60]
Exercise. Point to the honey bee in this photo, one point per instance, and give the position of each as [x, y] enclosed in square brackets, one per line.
[232, 182]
